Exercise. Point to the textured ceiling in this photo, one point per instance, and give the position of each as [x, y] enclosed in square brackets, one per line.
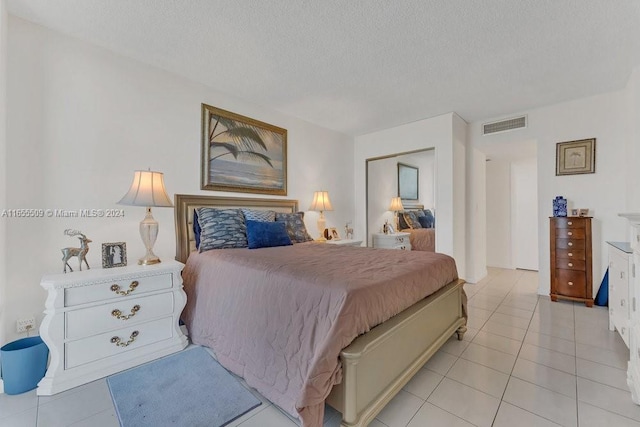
[361, 65]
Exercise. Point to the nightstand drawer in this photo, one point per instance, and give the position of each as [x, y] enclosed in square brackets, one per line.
[116, 289]
[570, 222]
[571, 254]
[570, 244]
[571, 283]
[98, 347]
[94, 320]
[570, 233]
[571, 264]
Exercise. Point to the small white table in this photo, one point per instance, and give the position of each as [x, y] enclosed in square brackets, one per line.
[102, 321]
[346, 242]
[392, 241]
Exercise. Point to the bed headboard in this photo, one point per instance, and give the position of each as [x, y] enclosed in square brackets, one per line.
[185, 204]
[412, 206]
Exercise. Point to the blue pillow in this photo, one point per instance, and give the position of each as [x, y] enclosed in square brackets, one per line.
[428, 220]
[196, 228]
[262, 234]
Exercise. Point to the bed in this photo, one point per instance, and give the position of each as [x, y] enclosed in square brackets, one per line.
[421, 239]
[355, 376]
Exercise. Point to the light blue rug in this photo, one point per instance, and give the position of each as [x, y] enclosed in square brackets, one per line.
[187, 389]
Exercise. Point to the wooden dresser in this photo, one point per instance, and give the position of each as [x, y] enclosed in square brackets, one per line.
[571, 272]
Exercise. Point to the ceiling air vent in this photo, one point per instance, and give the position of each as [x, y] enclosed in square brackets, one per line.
[504, 125]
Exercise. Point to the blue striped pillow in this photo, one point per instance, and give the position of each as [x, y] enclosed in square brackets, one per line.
[257, 215]
[221, 229]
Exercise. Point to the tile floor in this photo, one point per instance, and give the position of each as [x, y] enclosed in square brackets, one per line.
[524, 362]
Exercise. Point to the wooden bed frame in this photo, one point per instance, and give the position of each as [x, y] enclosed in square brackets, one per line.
[376, 365]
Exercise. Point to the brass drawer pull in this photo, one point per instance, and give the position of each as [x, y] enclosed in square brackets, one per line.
[570, 254]
[570, 264]
[132, 287]
[570, 243]
[570, 233]
[570, 283]
[117, 341]
[570, 222]
[118, 314]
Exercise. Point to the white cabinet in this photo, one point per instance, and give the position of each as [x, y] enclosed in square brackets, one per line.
[392, 241]
[345, 242]
[620, 267]
[633, 370]
[102, 321]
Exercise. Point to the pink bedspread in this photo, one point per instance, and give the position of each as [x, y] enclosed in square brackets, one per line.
[279, 317]
[422, 239]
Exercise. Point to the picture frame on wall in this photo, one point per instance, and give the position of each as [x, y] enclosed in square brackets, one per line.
[114, 255]
[408, 181]
[241, 154]
[576, 157]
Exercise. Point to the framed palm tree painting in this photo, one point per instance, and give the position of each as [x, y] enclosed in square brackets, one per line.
[576, 157]
[241, 154]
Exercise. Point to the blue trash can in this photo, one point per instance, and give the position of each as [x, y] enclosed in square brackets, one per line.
[23, 363]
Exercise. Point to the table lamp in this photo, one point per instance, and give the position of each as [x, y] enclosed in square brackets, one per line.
[395, 207]
[147, 189]
[321, 203]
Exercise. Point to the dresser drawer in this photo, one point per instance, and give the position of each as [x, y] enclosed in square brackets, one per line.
[570, 222]
[571, 264]
[570, 233]
[116, 289]
[570, 244]
[94, 320]
[571, 254]
[98, 347]
[571, 283]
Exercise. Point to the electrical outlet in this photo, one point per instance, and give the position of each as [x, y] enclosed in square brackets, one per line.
[26, 325]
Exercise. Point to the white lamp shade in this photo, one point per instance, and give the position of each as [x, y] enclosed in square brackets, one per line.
[321, 202]
[147, 189]
[396, 204]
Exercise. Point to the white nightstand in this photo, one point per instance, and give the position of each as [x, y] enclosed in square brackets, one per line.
[392, 241]
[98, 322]
[346, 242]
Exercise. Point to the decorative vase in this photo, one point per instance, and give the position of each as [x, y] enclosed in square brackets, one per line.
[559, 206]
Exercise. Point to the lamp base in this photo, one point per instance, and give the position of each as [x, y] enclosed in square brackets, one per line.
[149, 233]
[149, 260]
[322, 224]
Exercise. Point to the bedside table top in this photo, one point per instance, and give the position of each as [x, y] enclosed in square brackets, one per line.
[350, 242]
[398, 234]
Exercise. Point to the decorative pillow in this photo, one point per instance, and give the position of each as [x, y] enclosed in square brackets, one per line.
[294, 223]
[419, 213]
[196, 228]
[263, 234]
[257, 215]
[412, 219]
[221, 229]
[401, 222]
[428, 219]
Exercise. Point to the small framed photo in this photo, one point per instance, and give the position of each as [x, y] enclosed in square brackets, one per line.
[114, 254]
[333, 232]
[583, 212]
[574, 212]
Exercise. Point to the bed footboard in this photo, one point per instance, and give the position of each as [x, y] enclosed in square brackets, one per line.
[376, 365]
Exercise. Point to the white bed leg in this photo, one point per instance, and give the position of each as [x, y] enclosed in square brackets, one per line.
[460, 332]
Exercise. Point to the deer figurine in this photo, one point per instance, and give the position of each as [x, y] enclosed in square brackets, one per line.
[81, 252]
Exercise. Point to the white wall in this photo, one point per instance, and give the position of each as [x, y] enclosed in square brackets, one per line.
[3, 164]
[603, 117]
[438, 133]
[524, 213]
[476, 215]
[81, 119]
[632, 92]
[383, 185]
[498, 188]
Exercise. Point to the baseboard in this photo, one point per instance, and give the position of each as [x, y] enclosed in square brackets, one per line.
[1, 386]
